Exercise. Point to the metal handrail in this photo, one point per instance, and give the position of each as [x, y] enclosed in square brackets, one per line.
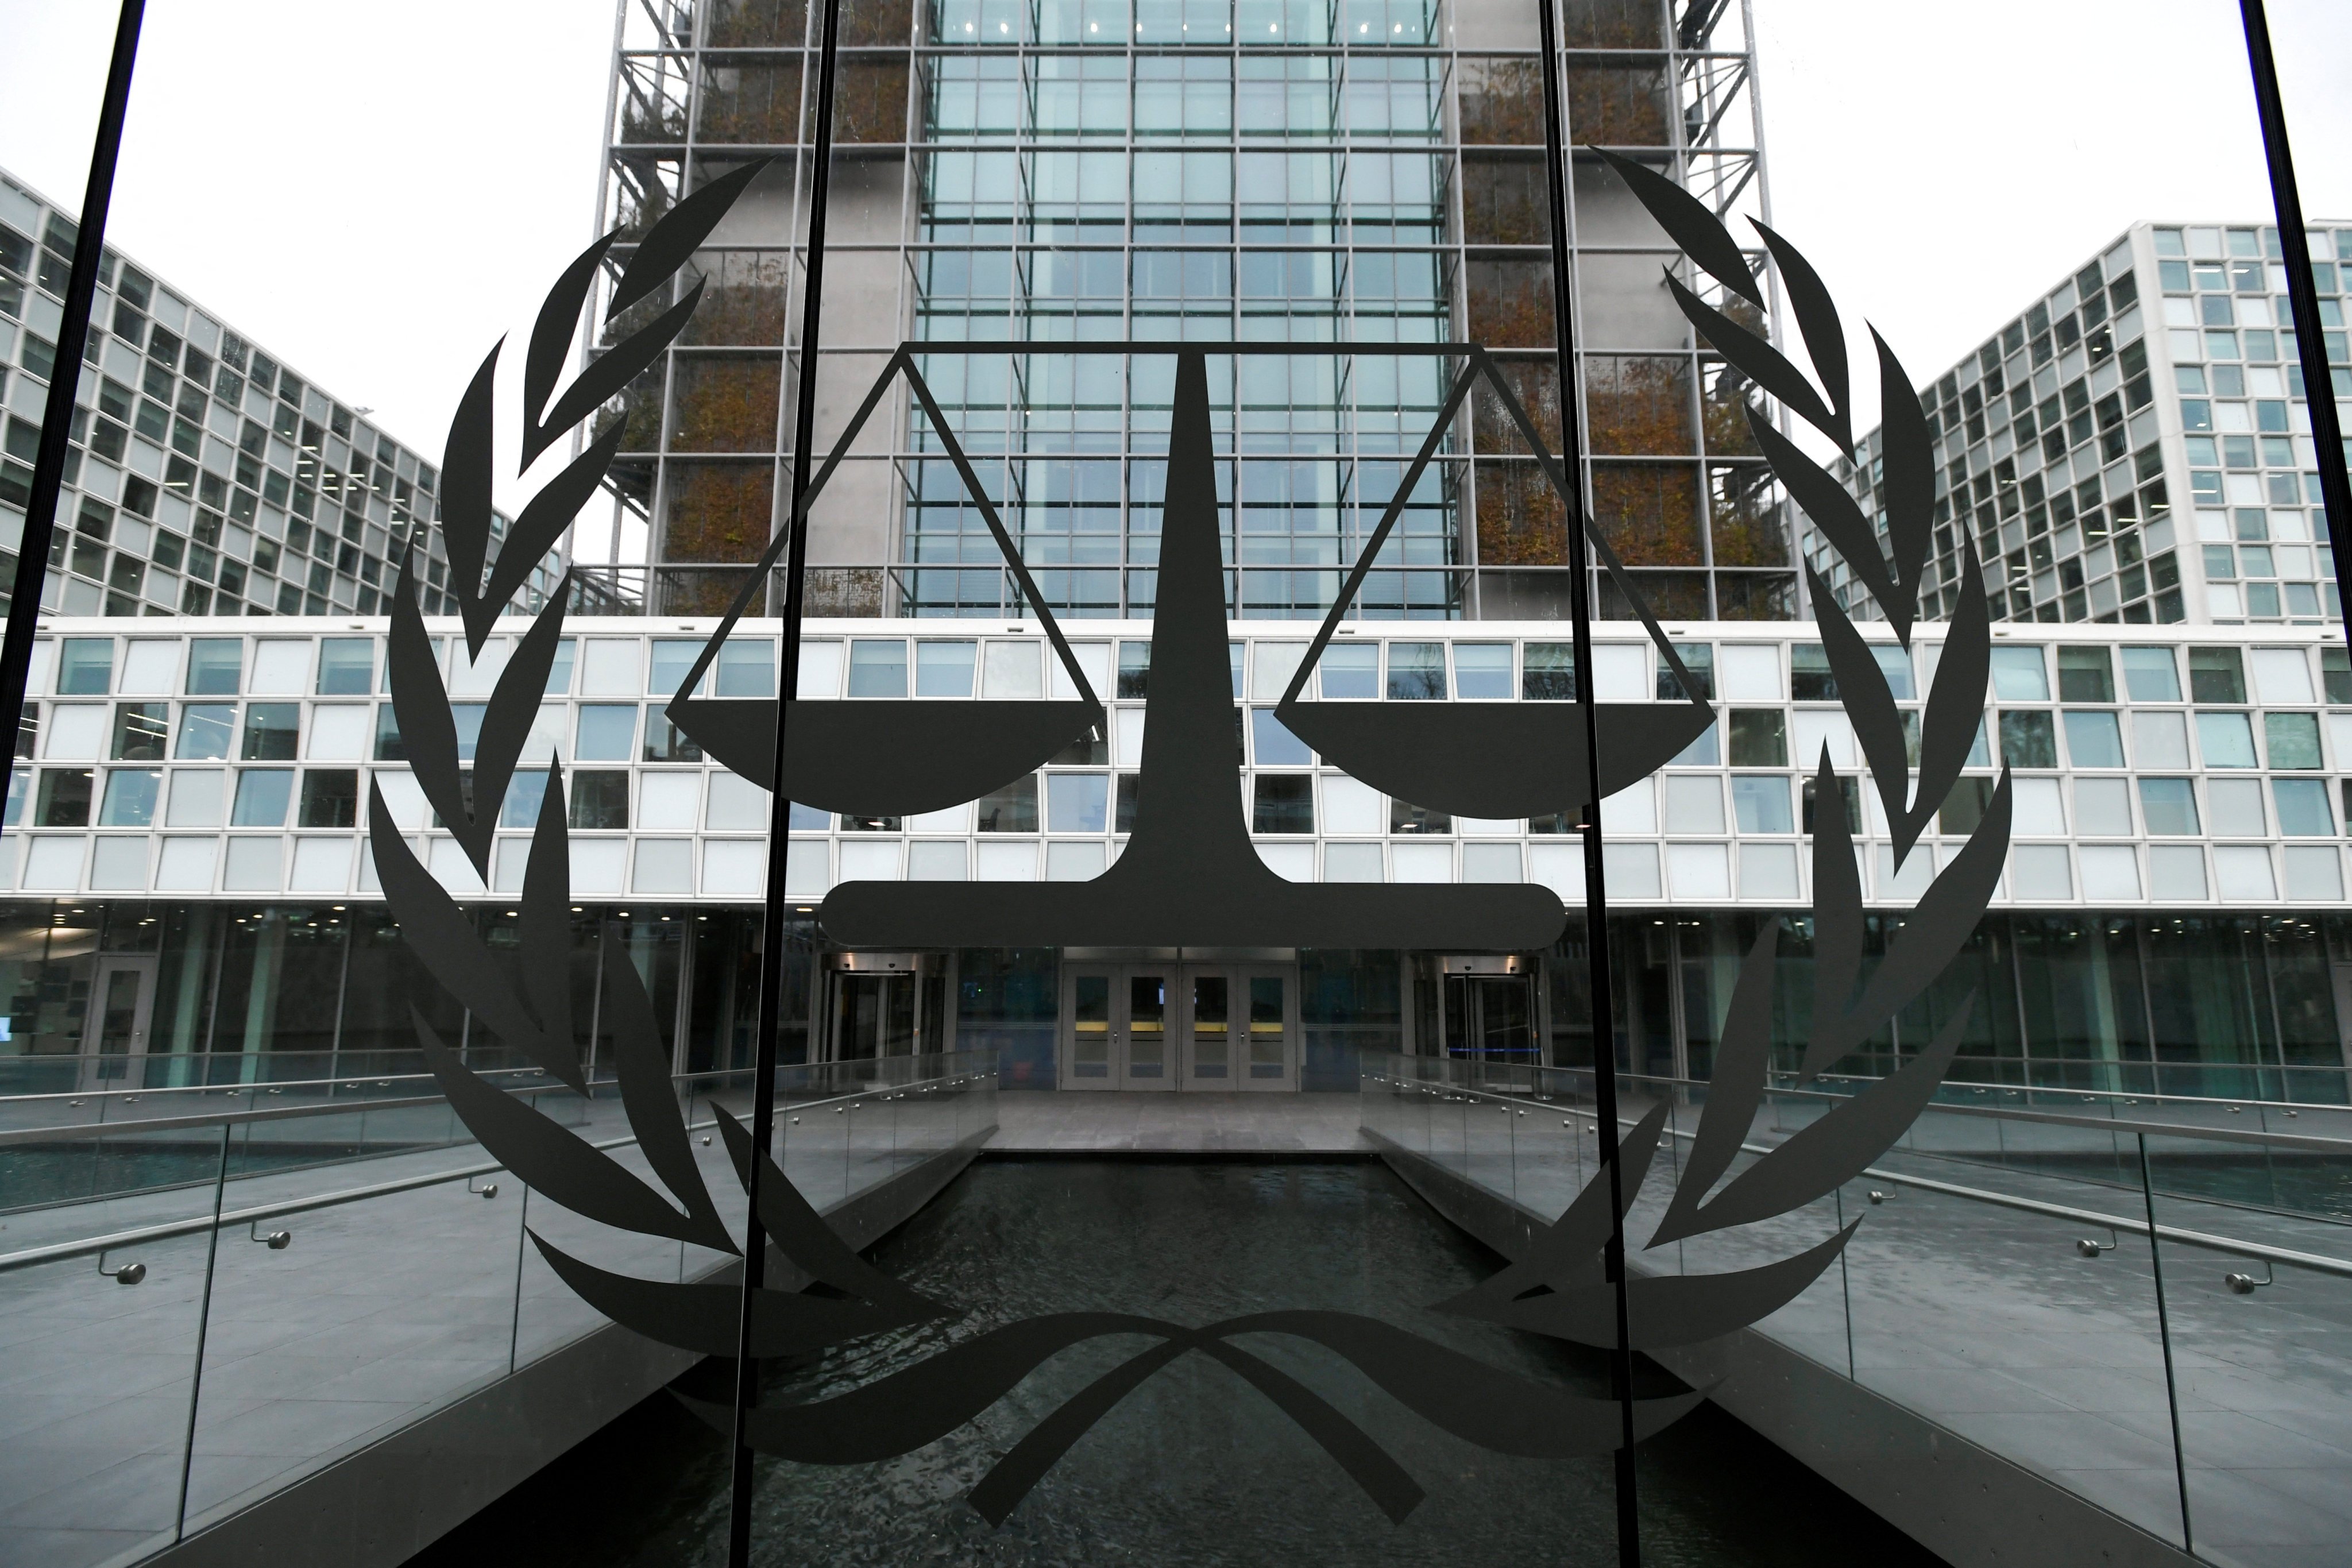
[2309, 1143]
[167, 1230]
[65, 1130]
[2260, 1251]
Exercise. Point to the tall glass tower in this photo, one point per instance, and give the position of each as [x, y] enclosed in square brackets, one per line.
[1335, 175]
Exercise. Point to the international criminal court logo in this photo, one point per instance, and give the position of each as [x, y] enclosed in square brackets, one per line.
[1190, 877]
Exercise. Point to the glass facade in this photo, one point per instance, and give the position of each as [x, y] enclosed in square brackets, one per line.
[2182, 802]
[1263, 172]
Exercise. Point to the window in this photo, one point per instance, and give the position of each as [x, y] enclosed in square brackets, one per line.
[526, 792]
[1481, 669]
[262, 796]
[1283, 802]
[1135, 670]
[1760, 804]
[877, 668]
[1809, 679]
[1273, 745]
[2302, 810]
[1416, 672]
[2226, 739]
[1076, 803]
[139, 731]
[2292, 740]
[1549, 675]
[346, 665]
[1964, 809]
[389, 747]
[945, 669]
[130, 796]
[205, 731]
[1408, 818]
[1352, 670]
[85, 667]
[2085, 675]
[2019, 675]
[673, 657]
[606, 731]
[2169, 805]
[1853, 796]
[2027, 738]
[1698, 658]
[666, 743]
[559, 669]
[2094, 737]
[1759, 738]
[64, 799]
[2233, 809]
[1012, 808]
[600, 799]
[2150, 675]
[271, 730]
[2216, 675]
[330, 797]
[746, 669]
[215, 665]
[1894, 664]
[2336, 673]
[1011, 670]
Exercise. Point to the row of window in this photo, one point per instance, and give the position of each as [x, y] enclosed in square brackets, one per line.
[1691, 873]
[597, 799]
[347, 666]
[1350, 668]
[1637, 873]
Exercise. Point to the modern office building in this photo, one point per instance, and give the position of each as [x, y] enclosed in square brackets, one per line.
[2136, 448]
[1325, 173]
[187, 809]
[188, 882]
[205, 476]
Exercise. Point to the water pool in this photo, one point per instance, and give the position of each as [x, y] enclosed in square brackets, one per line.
[1194, 1467]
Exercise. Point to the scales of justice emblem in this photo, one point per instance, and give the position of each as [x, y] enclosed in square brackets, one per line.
[1189, 877]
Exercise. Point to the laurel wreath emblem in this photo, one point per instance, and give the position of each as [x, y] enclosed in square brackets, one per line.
[1555, 1287]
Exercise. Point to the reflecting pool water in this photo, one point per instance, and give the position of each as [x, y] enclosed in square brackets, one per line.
[1194, 1467]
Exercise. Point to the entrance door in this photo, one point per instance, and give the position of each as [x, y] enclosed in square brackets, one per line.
[1240, 1027]
[122, 998]
[871, 1015]
[1491, 1018]
[1120, 1027]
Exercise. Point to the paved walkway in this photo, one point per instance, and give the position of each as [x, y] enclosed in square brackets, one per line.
[1127, 1123]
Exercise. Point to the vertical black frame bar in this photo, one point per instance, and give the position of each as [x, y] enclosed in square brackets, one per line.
[1596, 896]
[64, 375]
[2303, 288]
[773, 935]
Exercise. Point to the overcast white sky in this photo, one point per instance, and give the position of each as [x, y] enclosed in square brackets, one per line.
[377, 193]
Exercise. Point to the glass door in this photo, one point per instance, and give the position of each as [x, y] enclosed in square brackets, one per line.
[873, 1015]
[1270, 1049]
[1087, 1028]
[124, 997]
[1146, 1062]
[1209, 1029]
[1491, 1018]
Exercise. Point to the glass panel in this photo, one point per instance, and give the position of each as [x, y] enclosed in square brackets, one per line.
[1212, 1027]
[1269, 1025]
[1147, 1025]
[1090, 1025]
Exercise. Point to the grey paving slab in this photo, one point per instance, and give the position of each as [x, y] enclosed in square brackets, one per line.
[1142, 1123]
